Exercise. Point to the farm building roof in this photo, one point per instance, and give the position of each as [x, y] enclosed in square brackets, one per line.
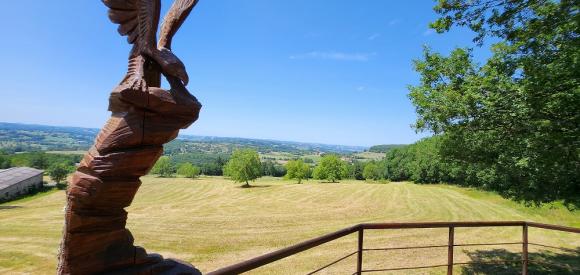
[15, 175]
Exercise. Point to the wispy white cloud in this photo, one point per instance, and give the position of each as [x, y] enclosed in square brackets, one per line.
[360, 88]
[374, 36]
[340, 56]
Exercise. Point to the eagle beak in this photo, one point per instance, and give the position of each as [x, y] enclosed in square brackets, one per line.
[183, 77]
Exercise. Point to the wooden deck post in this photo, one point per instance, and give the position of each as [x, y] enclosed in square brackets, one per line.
[360, 251]
[450, 250]
[525, 249]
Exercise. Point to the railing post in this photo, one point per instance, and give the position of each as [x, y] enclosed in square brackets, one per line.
[359, 258]
[450, 250]
[525, 249]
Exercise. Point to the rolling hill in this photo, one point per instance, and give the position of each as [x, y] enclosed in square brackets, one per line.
[16, 137]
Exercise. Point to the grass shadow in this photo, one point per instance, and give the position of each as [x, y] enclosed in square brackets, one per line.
[32, 193]
[541, 262]
[4, 207]
[253, 186]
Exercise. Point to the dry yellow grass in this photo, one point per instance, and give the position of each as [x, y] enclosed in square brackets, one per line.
[211, 222]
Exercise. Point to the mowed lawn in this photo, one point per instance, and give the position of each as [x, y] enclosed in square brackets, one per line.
[212, 222]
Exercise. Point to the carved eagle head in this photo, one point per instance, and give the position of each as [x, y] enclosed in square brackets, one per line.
[172, 66]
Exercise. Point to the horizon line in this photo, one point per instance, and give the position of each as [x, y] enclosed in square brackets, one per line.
[212, 136]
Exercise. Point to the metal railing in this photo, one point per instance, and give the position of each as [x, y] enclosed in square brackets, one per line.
[360, 229]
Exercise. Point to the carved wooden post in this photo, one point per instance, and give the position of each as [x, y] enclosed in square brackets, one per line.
[144, 117]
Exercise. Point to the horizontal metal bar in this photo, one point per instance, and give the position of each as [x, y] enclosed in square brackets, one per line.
[481, 244]
[432, 266]
[555, 247]
[437, 246]
[333, 263]
[283, 253]
[554, 227]
[404, 247]
[402, 268]
[440, 224]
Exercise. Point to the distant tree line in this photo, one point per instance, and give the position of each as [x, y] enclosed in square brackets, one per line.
[384, 148]
[209, 164]
[38, 160]
[245, 165]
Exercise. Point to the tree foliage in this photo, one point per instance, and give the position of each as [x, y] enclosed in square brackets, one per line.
[59, 171]
[243, 166]
[4, 160]
[510, 124]
[270, 168]
[42, 160]
[372, 171]
[297, 169]
[163, 167]
[38, 160]
[383, 148]
[355, 170]
[330, 168]
[188, 170]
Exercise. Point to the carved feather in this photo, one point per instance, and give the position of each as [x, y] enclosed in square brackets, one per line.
[137, 19]
[173, 20]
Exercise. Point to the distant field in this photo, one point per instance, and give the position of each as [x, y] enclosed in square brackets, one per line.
[76, 152]
[278, 156]
[365, 156]
[211, 222]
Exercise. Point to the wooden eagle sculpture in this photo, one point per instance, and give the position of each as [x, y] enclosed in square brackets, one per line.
[144, 117]
[138, 20]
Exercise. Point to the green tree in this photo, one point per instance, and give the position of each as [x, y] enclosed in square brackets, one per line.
[297, 169]
[330, 168]
[270, 168]
[356, 170]
[188, 170]
[372, 171]
[4, 160]
[243, 166]
[163, 167]
[58, 172]
[212, 168]
[510, 124]
[38, 160]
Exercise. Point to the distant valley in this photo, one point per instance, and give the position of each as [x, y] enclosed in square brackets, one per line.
[16, 137]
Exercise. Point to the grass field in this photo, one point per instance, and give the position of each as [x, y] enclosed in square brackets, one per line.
[212, 222]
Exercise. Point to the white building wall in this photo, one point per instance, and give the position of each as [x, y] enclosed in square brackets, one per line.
[21, 188]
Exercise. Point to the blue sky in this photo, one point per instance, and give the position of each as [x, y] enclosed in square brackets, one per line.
[304, 70]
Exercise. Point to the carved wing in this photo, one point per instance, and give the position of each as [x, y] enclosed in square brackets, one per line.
[137, 19]
[173, 20]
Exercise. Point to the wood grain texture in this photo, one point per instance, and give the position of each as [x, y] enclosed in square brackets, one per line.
[143, 118]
